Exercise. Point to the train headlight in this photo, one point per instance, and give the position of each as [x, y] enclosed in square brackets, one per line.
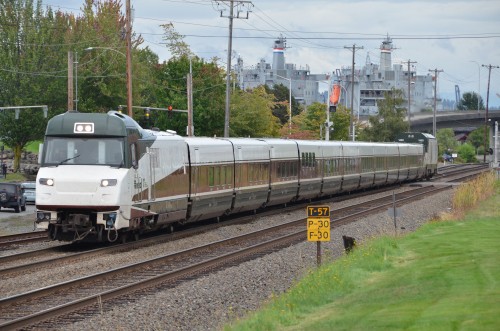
[42, 216]
[46, 181]
[108, 182]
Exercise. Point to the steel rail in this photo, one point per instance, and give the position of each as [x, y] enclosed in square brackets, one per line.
[94, 279]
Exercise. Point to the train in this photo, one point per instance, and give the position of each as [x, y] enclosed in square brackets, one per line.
[103, 177]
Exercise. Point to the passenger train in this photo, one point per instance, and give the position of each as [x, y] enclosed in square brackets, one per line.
[102, 177]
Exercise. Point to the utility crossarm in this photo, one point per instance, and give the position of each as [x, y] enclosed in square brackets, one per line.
[18, 108]
[153, 108]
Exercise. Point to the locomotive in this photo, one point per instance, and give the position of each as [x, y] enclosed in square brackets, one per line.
[103, 177]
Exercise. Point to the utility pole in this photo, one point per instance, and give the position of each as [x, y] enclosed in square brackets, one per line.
[128, 32]
[231, 4]
[351, 126]
[70, 80]
[436, 73]
[190, 99]
[409, 94]
[486, 113]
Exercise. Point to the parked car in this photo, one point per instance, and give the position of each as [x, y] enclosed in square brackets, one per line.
[29, 191]
[11, 196]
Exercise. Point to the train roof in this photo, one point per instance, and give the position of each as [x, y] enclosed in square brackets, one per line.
[415, 137]
[112, 123]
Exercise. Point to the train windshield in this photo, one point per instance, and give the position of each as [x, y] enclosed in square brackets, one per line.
[83, 151]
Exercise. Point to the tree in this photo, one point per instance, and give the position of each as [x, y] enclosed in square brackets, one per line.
[30, 73]
[282, 100]
[476, 138]
[446, 141]
[390, 120]
[251, 114]
[175, 42]
[341, 121]
[102, 71]
[469, 101]
[208, 95]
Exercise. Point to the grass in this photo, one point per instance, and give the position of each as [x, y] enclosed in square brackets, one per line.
[13, 177]
[445, 276]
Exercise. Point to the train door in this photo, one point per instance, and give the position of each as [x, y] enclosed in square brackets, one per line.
[152, 154]
[196, 172]
[137, 179]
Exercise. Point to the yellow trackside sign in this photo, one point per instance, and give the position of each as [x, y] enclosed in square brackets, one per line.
[318, 223]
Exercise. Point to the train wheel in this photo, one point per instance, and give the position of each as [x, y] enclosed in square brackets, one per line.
[136, 236]
[123, 237]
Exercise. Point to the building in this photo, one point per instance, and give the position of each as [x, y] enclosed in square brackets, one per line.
[304, 85]
[372, 81]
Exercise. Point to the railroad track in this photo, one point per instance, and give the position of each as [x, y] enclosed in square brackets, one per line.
[37, 306]
[13, 265]
[89, 293]
[23, 238]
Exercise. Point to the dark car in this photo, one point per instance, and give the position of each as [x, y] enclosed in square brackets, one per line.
[29, 191]
[11, 196]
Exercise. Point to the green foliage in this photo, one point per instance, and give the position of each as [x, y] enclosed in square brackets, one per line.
[446, 140]
[251, 114]
[467, 153]
[469, 101]
[390, 120]
[341, 121]
[208, 96]
[175, 42]
[282, 99]
[476, 139]
[314, 119]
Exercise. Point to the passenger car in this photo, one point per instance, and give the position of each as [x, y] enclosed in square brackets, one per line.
[11, 196]
[29, 191]
[160, 179]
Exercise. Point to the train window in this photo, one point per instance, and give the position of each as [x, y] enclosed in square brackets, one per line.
[211, 178]
[250, 173]
[223, 175]
[133, 155]
[217, 175]
[229, 175]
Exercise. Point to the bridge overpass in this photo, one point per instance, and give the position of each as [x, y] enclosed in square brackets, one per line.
[422, 122]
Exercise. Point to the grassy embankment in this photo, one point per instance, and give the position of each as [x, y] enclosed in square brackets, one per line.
[445, 276]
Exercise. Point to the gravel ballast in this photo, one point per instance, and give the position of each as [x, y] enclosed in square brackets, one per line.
[208, 302]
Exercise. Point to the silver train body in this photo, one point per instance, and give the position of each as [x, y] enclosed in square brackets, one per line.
[102, 176]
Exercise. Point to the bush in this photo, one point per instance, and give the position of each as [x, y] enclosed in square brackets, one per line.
[467, 153]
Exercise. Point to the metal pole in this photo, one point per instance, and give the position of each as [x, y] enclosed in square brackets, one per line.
[190, 99]
[495, 157]
[228, 74]
[486, 113]
[436, 72]
[409, 94]
[76, 81]
[129, 60]
[351, 126]
[70, 80]
[327, 134]
[290, 104]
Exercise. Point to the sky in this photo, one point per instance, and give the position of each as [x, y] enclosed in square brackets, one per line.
[455, 36]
